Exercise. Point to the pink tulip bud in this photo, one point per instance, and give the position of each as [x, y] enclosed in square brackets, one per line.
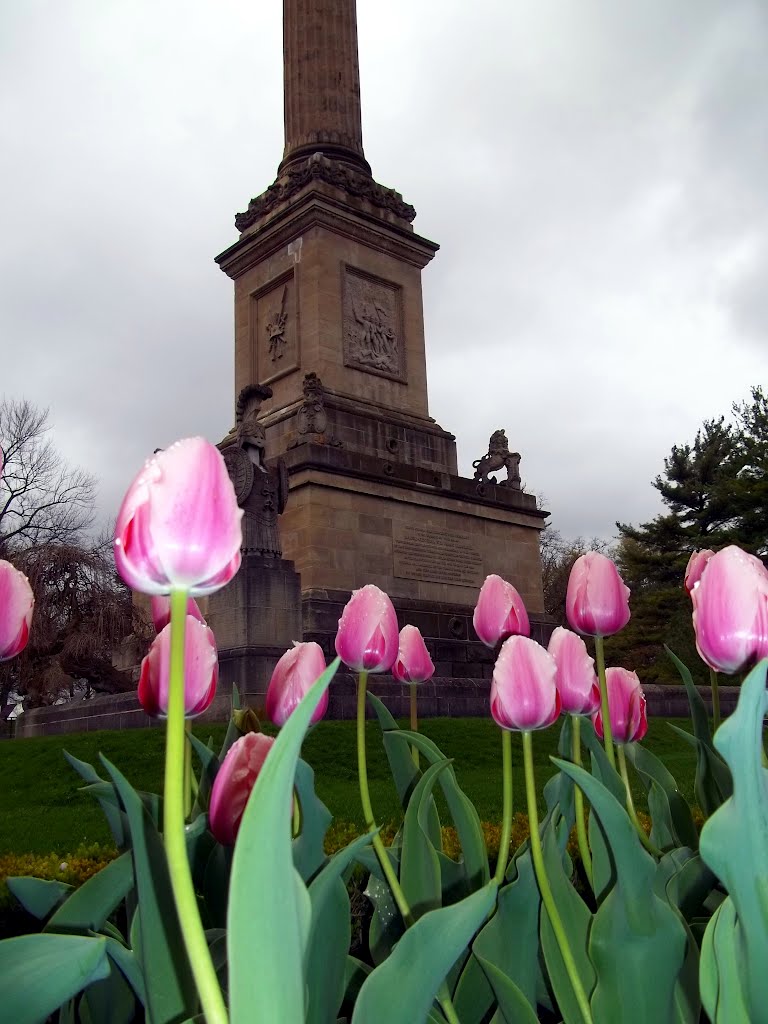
[233, 784]
[367, 639]
[523, 692]
[179, 524]
[696, 565]
[626, 706]
[201, 671]
[161, 611]
[499, 612]
[16, 604]
[413, 663]
[730, 611]
[294, 674]
[576, 679]
[597, 601]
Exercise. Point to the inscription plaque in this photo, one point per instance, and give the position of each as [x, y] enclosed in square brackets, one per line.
[435, 556]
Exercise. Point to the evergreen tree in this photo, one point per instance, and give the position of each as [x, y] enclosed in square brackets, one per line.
[716, 493]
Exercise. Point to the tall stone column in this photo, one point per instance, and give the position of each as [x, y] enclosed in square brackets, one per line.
[322, 81]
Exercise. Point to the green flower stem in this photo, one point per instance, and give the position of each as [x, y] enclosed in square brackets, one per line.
[173, 827]
[544, 887]
[506, 816]
[187, 769]
[631, 804]
[715, 700]
[604, 709]
[581, 830]
[414, 720]
[393, 882]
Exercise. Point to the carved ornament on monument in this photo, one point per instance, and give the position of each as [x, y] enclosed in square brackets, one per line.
[498, 457]
[274, 328]
[312, 417]
[373, 325]
[320, 168]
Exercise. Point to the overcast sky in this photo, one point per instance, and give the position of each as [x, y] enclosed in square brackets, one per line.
[595, 173]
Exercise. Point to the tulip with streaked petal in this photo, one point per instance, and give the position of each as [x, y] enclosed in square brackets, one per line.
[576, 678]
[626, 706]
[233, 784]
[16, 605]
[696, 566]
[413, 663]
[294, 674]
[160, 605]
[178, 527]
[597, 600]
[499, 612]
[201, 671]
[730, 611]
[367, 639]
[523, 692]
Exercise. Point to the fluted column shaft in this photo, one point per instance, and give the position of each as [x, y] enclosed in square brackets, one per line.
[322, 81]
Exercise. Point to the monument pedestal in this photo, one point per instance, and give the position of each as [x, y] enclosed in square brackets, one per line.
[255, 619]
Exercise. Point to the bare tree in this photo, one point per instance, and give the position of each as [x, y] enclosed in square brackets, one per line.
[82, 612]
[42, 499]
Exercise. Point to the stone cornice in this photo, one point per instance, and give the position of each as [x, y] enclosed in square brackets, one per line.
[317, 167]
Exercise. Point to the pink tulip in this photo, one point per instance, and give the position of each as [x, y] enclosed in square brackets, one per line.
[626, 706]
[413, 663]
[179, 524]
[499, 612]
[161, 611]
[294, 674]
[233, 784]
[16, 604]
[201, 671]
[367, 639]
[597, 601]
[576, 679]
[523, 692]
[730, 611]
[696, 566]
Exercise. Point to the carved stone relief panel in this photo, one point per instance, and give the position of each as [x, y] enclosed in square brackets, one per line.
[373, 325]
[275, 329]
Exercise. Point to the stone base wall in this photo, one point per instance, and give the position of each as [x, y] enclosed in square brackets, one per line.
[441, 697]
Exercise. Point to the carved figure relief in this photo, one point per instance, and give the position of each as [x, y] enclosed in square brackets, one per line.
[372, 325]
[312, 417]
[261, 492]
[276, 330]
[499, 457]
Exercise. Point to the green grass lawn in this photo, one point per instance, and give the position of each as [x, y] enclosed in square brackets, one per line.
[42, 810]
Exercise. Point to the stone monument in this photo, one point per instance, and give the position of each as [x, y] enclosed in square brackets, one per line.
[330, 356]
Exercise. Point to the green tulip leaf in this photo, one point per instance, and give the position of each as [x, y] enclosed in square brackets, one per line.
[170, 987]
[576, 919]
[110, 807]
[386, 925]
[513, 1006]
[329, 937]
[713, 782]
[404, 987]
[462, 810]
[38, 973]
[419, 863]
[509, 941]
[404, 772]
[269, 912]
[209, 766]
[722, 981]
[672, 819]
[88, 908]
[215, 887]
[38, 896]
[128, 962]
[734, 840]
[308, 847]
[108, 1001]
[630, 917]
